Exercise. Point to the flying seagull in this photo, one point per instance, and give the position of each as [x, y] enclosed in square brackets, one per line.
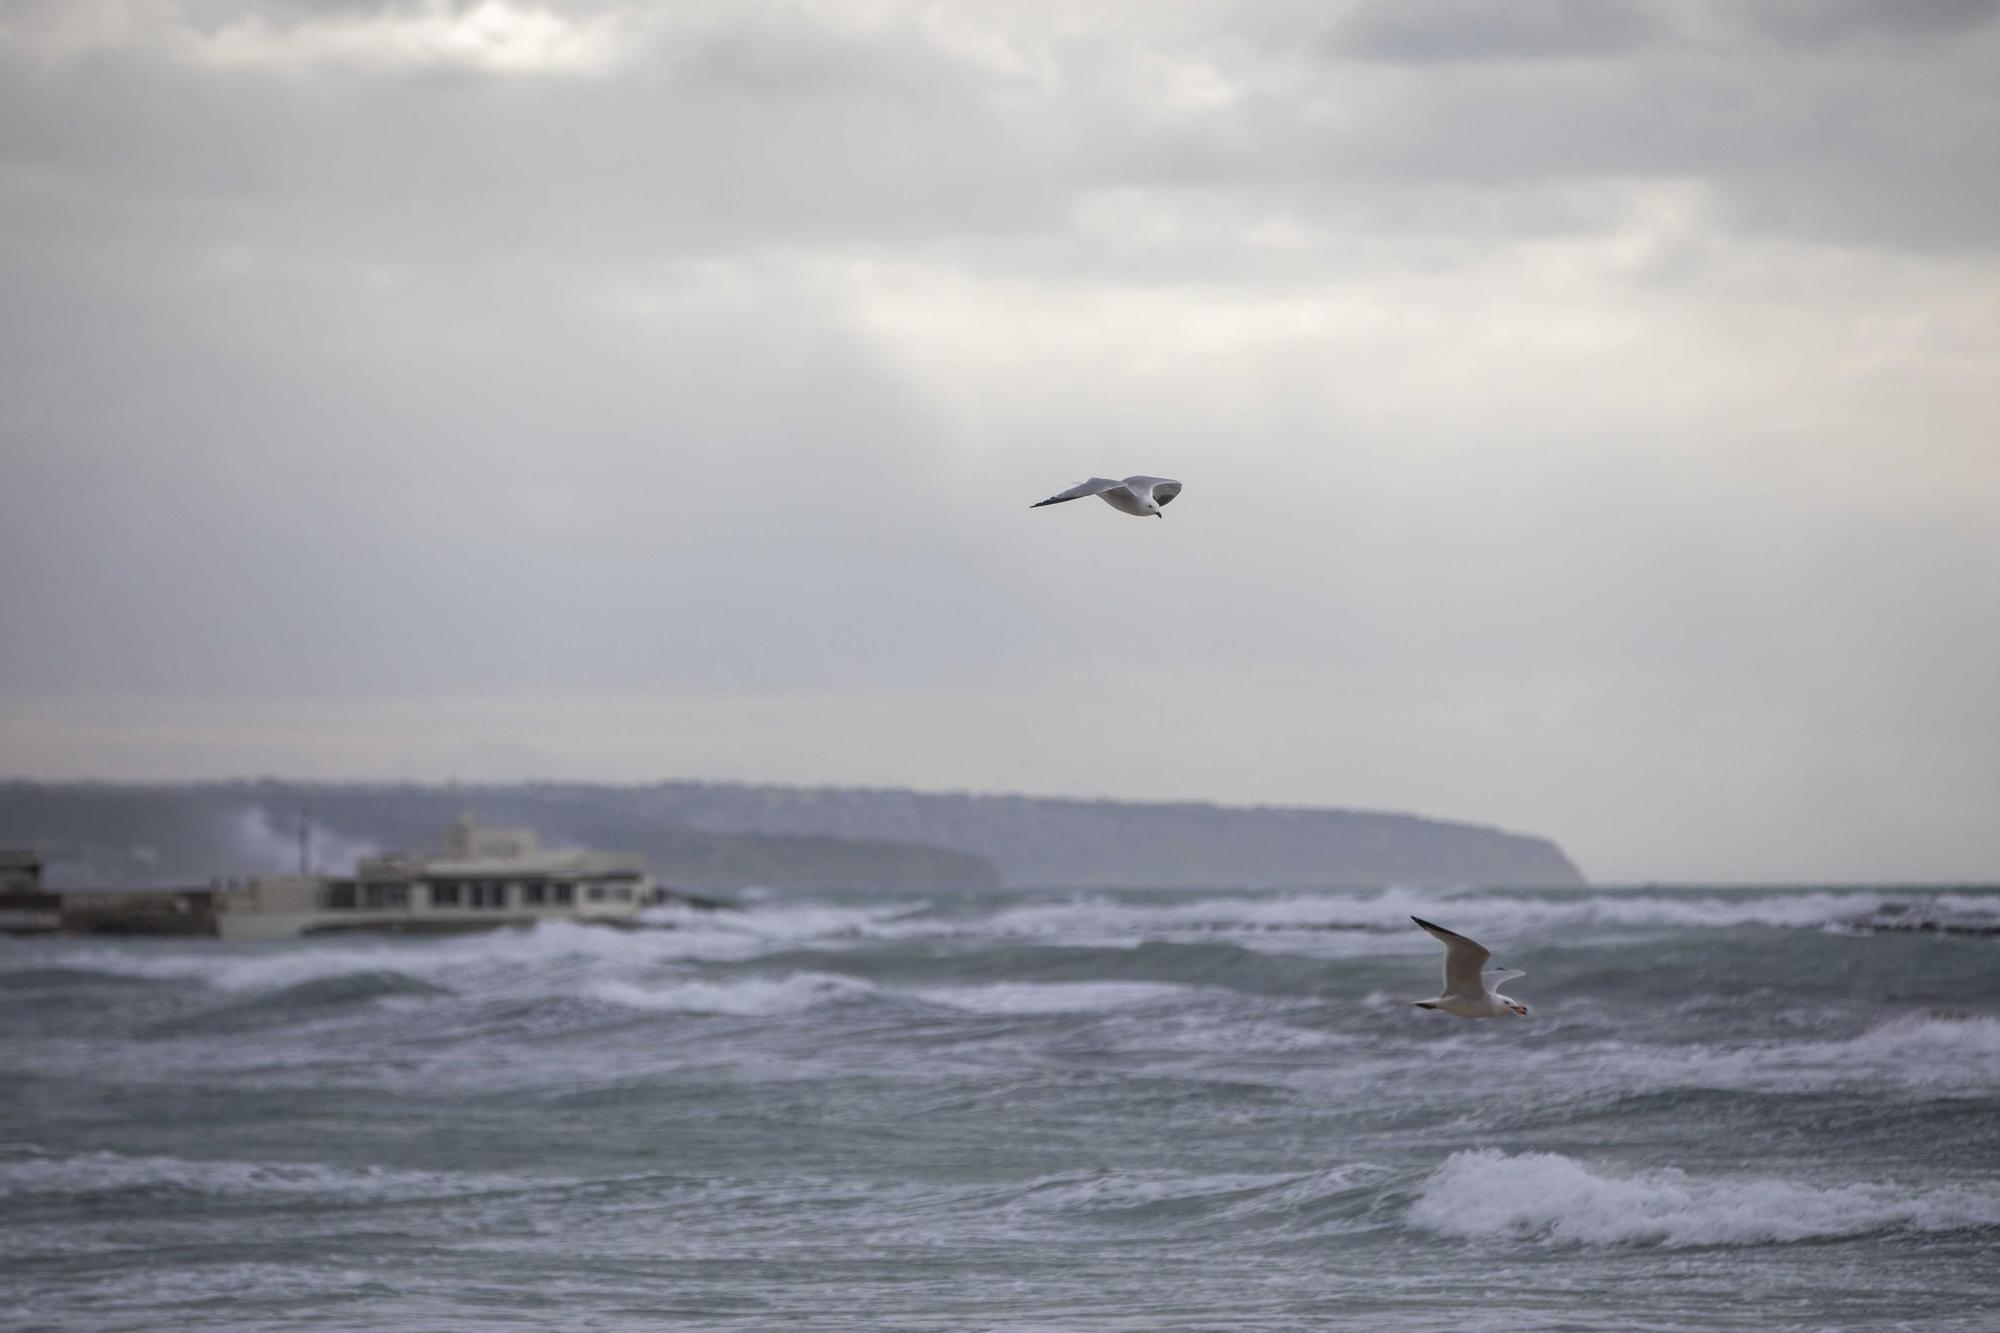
[1138, 496]
[1468, 991]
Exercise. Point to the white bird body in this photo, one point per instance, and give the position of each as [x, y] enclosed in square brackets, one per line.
[1468, 988]
[1142, 497]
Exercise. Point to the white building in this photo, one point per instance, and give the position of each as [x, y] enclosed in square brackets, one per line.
[485, 877]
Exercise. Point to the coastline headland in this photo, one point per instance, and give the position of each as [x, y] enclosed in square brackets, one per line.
[718, 837]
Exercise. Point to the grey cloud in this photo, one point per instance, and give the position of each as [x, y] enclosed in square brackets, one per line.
[1816, 23]
[1467, 30]
[758, 131]
[207, 15]
[1896, 150]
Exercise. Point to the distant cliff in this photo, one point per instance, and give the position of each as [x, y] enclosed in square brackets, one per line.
[1042, 841]
[709, 837]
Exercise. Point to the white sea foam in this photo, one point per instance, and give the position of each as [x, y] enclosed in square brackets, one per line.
[1058, 997]
[644, 970]
[440, 960]
[1904, 1055]
[781, 920]
[1552, 1199]
[540, 959]
[1924, 1052]
[687, 934]
[1963, 1041]
[1500, 915]
[1969, 904]
[560, 959]
[1962, 1052]
[748, 996]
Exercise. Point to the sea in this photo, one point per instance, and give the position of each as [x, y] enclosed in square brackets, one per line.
[1726, 1109]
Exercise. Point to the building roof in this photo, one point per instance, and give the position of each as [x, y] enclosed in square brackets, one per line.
[516, 867]
[473, 852]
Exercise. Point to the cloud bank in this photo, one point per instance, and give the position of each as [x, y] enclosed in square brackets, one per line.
[1586, 410]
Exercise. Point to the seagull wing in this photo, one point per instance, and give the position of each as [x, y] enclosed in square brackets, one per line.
[1464, 960]
[1164, 489]
[1095, 486]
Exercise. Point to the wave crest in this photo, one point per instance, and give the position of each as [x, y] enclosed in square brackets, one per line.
[1053, 997]
[749, 997]
[1485, 912]
[1552, 1199]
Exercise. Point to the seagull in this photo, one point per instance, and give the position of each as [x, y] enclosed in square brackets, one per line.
[1468, 992]
[1138, 496]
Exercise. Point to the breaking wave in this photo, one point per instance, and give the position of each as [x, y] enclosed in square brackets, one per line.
[1955, 1039]
[1552, 1199]
[1307, 923]
[1484, 912]
[1963, 1052]
[750, 996]
[1072, 997]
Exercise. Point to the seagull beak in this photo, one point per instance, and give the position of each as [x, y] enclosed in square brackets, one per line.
[1520, 1009]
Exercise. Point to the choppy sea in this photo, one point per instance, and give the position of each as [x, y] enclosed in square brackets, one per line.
[1021, 1110]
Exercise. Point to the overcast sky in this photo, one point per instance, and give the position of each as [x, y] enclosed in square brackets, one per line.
[1589, 412]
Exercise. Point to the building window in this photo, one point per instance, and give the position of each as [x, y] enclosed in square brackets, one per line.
[535, 894]
[444, 895]
[489, 894]
[340, 897]
[595, 893]
[565, 894]
[623, 893]
[381, 897]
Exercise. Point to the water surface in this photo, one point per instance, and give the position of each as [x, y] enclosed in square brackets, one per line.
[1727, 1109]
